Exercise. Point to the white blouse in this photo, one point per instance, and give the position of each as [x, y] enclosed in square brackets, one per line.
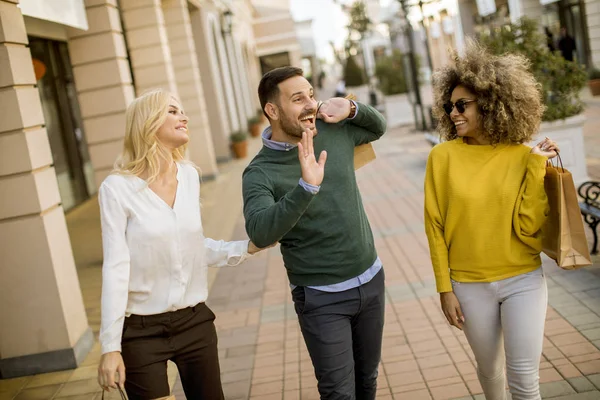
[155, 256]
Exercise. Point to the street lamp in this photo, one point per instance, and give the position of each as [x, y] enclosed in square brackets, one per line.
[413, 66]
[426, 35]
[226, 22]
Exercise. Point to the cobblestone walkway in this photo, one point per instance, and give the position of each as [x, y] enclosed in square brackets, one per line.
[262, 352]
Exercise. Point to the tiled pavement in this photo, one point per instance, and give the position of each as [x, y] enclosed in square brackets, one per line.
[262, 352]
[261, 348]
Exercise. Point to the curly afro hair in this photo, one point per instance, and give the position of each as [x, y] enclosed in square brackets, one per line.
[508, 95]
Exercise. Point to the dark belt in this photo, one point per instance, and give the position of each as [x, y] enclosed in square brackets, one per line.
[168, 316]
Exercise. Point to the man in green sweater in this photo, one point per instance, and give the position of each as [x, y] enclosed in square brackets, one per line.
[312, 206]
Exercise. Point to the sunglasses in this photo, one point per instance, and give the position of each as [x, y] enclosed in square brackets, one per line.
[460, 106]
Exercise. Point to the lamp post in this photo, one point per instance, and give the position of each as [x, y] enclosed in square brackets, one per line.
[426, 36]
[419, 114]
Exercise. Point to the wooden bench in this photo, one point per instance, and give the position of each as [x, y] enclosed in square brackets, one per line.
[590, 207]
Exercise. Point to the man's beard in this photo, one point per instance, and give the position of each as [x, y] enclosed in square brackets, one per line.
[294, 127]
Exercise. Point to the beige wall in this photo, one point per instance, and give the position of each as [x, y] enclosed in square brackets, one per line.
[43, 324]
[245, 51]
[592, 9]
[274, 26]
[146, 35]
[187, 78]
[275, 31]
[103, 82]
[212, 81]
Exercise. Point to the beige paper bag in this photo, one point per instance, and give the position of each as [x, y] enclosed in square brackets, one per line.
[363, 155]
[564, 238]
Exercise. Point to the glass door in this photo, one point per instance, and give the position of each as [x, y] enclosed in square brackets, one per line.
[63, 122]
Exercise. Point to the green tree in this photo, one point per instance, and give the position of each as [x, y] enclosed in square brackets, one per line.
[561, 80]
[359, 21]
[391, 75]
[353, 73]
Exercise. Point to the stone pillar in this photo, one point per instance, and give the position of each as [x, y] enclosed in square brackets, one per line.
[592, 11]
[212, 83]
[254, 75]
[187, 77]
[234, 120]
[148, 45]
[243, 72]
[43, 324]
[103, 82]
[236, 80]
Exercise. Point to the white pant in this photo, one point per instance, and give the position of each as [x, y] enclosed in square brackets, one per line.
[512, 310]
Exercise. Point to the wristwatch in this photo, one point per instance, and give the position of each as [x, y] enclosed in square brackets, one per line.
[352, 109]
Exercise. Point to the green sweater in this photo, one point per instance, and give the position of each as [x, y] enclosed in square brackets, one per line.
[325, 238]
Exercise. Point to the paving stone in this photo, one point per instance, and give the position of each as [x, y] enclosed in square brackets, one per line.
[583, 319]
[591, 334]
[595, 379]
[581, 384]
[554, 389]
[571, 309]
[240, 389]
[580, 396]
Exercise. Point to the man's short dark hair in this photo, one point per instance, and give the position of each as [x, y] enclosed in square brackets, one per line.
[268, 89]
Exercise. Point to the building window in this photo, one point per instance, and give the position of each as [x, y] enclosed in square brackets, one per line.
[272, 61]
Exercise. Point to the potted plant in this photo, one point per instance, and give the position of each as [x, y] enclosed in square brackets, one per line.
[261, 116]
[594, 81]
[254, 126]
[239, 144]
[561, 83]
[390, 74]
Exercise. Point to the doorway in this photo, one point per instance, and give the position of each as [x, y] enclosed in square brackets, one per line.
[64, 126]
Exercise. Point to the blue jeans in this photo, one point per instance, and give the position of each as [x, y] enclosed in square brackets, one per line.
[343, 333]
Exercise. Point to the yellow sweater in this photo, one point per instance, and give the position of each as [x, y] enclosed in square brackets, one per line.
[484, 210]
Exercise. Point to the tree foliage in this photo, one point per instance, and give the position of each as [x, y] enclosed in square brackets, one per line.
[391, 75]
[561, 80]
[353, 74]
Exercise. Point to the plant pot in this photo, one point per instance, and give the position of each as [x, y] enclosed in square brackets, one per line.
[594, 85]
[398, 110]
[240, 149]
[568, 134]
[255, 130]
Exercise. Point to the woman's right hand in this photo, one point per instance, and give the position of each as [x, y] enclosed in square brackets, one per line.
[111, 371]
[451, 309]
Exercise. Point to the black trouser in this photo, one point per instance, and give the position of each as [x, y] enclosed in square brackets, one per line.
[188, 338]
[343, 333]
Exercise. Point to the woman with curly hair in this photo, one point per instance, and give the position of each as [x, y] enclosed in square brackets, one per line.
[485, 206]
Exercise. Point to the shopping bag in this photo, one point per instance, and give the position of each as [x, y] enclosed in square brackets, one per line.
[364, 153]
[124, 396]
[563, 235]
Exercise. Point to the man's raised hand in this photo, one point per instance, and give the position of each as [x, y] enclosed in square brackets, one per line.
[312, 170]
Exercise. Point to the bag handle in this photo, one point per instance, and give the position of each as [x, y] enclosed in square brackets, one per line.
[123, 395]
[549, 162]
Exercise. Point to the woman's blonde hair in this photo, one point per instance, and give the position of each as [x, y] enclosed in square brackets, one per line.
[142, 152]
[508, 96]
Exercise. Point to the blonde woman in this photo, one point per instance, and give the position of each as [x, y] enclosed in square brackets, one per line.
[154, 276]
[485, 206]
